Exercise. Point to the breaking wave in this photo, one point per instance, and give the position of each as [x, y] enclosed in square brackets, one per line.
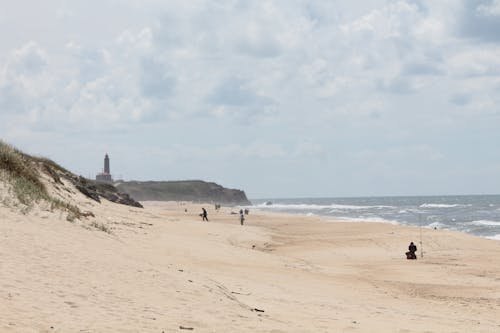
[373, 219]
[334, 207]
[432, 205]
[485, 222]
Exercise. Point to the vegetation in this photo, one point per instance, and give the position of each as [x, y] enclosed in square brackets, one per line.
[101, 227]
[24, 179]
[21, 171]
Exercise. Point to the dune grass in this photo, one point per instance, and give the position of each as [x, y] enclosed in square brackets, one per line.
[23, 177]
[20, 170]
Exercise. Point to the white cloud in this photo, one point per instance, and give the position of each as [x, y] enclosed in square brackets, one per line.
[491, 9]
[392, 21]
[28, 60]
[478, 62]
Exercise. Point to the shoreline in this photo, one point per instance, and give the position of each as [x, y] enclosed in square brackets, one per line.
[475, 215]
[340, 219]
[160, 268]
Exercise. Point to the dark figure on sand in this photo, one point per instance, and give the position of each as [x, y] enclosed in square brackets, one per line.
[242, 217]
[411, 251]
[204, 214]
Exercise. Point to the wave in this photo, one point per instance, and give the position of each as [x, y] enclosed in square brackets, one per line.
[495, 237]
[432, 205]
[333, 207]
[437, 225]
[484, 222]
[373, 219]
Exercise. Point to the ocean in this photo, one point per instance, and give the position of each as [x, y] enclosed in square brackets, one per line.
[478, 215]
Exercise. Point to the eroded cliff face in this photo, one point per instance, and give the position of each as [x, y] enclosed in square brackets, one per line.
[188, 190]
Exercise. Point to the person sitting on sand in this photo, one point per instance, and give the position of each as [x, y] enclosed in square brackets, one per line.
[204, 214]
[412, 249]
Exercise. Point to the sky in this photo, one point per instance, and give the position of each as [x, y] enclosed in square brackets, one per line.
[279, 98]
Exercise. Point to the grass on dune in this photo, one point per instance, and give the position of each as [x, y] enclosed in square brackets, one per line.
[20, 170]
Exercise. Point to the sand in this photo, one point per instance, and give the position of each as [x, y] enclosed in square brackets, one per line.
[161, 269]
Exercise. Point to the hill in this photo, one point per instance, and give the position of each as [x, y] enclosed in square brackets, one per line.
[27, 181]
[188, 190]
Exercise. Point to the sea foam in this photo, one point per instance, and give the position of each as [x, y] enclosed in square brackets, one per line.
[485, 222]
[334, 207]
[434, 205]
[495, 237]
[373, 219]
[436, 225]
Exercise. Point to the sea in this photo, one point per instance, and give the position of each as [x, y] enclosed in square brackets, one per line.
[478, 215]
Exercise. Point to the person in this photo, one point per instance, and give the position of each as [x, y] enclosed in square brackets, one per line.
[242, 217]
[204, 214]
[412, 249]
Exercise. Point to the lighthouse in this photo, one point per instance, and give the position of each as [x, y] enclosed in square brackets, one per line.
[106, 164]
[105, 176]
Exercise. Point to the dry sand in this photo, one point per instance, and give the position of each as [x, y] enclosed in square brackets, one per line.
[161, 268]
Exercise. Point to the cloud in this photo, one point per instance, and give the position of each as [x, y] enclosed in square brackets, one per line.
[309, 149]
[30, 59]
[391, 21]
[484, 61]
[236, 96]
[155, 79]
[489, 9]
[398, 85]
[424, 68]
[91, 63]
[460, 99]
[479, 20]
[236, 92]
[25, 78]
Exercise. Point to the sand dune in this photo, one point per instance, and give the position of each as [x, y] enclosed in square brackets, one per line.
[160, 269]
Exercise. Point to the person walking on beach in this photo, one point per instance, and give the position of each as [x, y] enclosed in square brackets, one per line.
[242, 217]
[412, 249]
[204, 214]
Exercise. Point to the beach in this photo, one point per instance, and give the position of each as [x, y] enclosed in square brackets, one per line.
[161, 269]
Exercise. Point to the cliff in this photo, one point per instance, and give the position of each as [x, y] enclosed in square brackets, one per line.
[188, 190]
